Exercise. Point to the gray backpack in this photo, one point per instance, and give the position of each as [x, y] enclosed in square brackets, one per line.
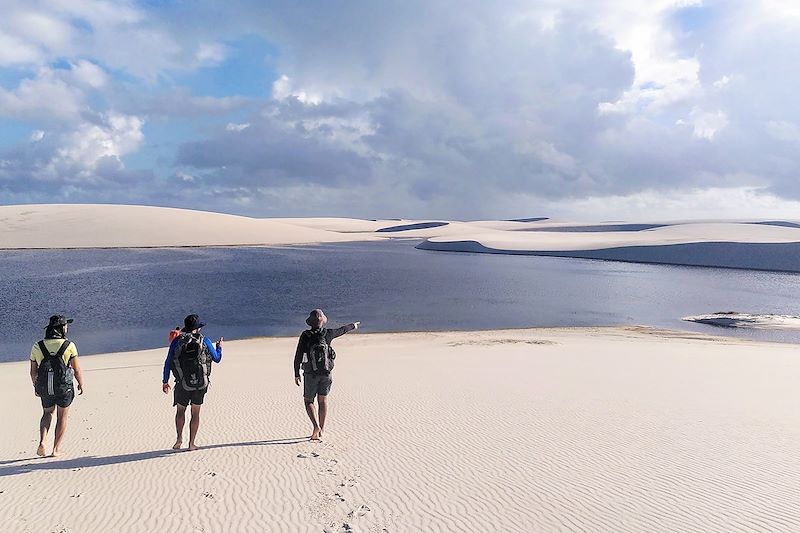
[191, 362]
[320, 353]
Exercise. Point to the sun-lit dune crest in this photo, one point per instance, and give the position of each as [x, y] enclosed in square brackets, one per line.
[135, 226]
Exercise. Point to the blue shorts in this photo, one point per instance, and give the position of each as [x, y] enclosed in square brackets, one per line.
[314, 384]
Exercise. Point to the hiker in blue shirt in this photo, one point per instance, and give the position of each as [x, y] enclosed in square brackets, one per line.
[189, 359]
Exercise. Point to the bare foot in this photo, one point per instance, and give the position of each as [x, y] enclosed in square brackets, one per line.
[56, 453]
[193, 447]
[177, 445]
[40, 451]
[315, 435]
[320, 434]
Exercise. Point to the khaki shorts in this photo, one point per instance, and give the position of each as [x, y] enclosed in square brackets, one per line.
[314, 384]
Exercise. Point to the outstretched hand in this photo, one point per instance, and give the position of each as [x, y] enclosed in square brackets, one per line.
[297, 380]
[165, 387]
[356, 324]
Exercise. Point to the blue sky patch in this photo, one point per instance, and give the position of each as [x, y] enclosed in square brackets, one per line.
[247, 71]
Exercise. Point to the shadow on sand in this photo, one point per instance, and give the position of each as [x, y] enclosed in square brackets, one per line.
[92, 461]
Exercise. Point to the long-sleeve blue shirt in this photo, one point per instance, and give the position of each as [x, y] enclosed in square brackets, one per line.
[216, 355]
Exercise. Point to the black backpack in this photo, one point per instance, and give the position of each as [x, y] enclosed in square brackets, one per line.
[191, 362]
[320, 353]
[53, 377]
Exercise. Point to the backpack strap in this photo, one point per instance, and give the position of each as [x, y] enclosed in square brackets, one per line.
[44, 350]
[60, 353]
[312, 359]
[62, 349]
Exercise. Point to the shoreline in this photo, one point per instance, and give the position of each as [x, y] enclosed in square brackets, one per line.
[636, 328]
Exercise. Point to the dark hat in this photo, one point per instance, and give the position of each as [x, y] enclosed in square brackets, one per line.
[59, 320]
[316, 318]
[192, 322]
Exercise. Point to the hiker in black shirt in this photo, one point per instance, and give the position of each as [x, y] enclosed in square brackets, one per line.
[315, 354]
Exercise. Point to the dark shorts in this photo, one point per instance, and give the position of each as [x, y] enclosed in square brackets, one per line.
[314, 384]
[185, 397]
[61, 400]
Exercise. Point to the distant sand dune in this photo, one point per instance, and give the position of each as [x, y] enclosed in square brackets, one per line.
[783, 257]
[769, 245]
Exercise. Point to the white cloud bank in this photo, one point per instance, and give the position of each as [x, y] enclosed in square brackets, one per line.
[431, 108]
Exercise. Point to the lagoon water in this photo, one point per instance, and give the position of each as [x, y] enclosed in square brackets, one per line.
[129, 299]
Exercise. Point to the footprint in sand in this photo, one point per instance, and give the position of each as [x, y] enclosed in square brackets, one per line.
[344, 528]
[76, 495]
[359, 511]
[349, 482]
[211, 474]
[208, 495]
[338, 497]
[307, 456]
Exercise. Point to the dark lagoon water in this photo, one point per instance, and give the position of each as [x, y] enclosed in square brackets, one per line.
[129, 299]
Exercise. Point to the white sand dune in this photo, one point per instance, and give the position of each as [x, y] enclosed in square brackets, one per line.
[669, 234]
[121, 226]
[767, 245]
[731, 245]
[601, 430]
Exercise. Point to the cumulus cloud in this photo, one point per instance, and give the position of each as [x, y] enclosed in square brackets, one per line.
[113, 136]
[272, 149]
[87, 156]
[175, 103]
[445, 108]
[47, 96]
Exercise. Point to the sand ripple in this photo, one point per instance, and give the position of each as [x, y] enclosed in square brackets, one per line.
[591, 431]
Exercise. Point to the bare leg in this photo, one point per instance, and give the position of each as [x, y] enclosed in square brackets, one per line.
[194, 424]
[61, 427]
[322, 399]
[44, 427]
[180, 421]
[312, 415]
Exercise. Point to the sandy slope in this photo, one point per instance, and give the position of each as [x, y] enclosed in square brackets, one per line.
[67, 226]
[738, 244]
[118, 226]
[671, 234]
[531, 430]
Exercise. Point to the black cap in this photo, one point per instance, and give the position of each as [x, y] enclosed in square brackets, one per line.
[59, 320]
[192, 322]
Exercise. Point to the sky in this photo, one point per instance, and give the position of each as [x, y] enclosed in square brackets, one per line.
[578, 109]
